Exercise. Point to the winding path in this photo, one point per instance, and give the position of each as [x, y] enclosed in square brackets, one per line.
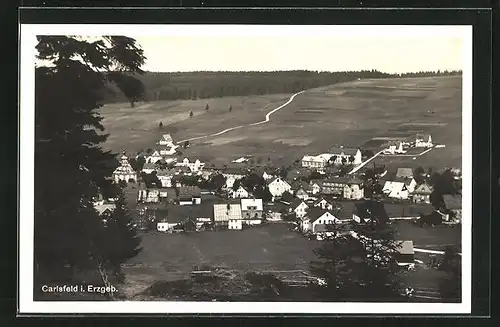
[268, 118]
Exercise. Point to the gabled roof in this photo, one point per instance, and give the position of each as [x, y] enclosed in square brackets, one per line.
[225, 212]
[452, 202]
[315, 212]
[404, 172]
[101, 208]
[279, 180]
[346, 151]
[371, 209]
[296, 185]
[181, 213]
[406, 181]
[243, 188]
[423, 188]
[405, 247]
[245, 203]
[321, 200]
[296, 202]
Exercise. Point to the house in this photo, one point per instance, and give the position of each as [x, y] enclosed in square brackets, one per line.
[396, 190]
[405, 254]
[267, 176]
[318, 162]
[316, 217]
[348, 155]
[192, 218]
[104, 209]
[189, 195]
[366, 211]
[154, 157]
[224, 213]
[300, 190]
[315, 186]
[410, 183]
[323, 204]
[346, 187]
[394, 148]
[278, 186]
[452, 207]
[231, 176]
[194, 166]
[166, 139]
[404, 173]
[124, 172]
[252, 210]
[149, 167]
[299, 207]
[168, 149]
[172, 220]
[423, 141]
[235, 224]
[422, 193]
[165, 176]
[148, 196]
[241, 192]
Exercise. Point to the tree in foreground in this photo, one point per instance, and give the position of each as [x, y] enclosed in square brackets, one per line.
[451, 285]
[119, 241]
[71, 168]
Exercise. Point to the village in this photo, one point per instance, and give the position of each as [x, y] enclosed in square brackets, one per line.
[172, 194]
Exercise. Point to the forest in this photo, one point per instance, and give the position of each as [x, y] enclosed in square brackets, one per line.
[204, 85]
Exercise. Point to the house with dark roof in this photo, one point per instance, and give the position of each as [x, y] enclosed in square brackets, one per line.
[240, 193]
[189, 195]
[299, 207]
[228, 215]
[350, 188]
[404, 173]
[365, 211]
[324, 204]
[422, 193]
[452, 207]
[316, 219]
[405, 254]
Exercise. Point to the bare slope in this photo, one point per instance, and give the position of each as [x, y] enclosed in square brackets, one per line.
[350, 113]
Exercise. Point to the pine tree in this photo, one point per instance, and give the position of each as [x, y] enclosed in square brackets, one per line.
[191, 114]
[70, 166]
[230, 108]
[206, 107]
[119, 238]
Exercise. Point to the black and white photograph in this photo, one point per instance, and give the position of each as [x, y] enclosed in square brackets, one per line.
[245, 169]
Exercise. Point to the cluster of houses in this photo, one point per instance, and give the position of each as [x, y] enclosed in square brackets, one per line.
[176, 206]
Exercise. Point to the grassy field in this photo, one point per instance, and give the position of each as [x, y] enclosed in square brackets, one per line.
[351, 113]
[268, 248]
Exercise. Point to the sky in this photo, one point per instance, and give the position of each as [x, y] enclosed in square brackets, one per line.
[323, 53]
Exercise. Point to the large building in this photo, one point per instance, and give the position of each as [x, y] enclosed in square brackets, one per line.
[349, 155]
[124, 172]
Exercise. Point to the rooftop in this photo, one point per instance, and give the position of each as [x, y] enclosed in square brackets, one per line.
[405, 247]
[404, 172]
[188, 191]
[452, 202]
[371, 209]
[245, 203]
[225, 212]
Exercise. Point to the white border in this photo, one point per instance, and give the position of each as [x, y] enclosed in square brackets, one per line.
[26, 177]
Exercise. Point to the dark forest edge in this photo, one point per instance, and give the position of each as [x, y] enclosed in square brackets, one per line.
[211, 84]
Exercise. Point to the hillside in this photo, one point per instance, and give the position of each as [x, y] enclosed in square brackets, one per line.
[204, 85]
[354, 113]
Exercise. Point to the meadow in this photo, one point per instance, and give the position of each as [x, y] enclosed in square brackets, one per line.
[360, 113]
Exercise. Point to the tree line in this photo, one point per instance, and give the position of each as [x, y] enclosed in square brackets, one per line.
[204, 85]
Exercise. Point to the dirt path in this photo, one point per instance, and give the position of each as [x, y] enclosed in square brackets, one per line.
[268, 118]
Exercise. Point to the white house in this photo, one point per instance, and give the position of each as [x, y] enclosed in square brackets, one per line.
[267, 176]
[318, 162]
[323, 204]
[351, 155]
[300, 208]
[163, 226]
[252, 210]
[395, 148]
[189, 195]
[168, 150]
[315, 187]
[396, 190]
[278, 186]
[166, 139]
[241, 192]
[154, 157]
[231, 178]
[318, 217]
[165, 177]
[195, 166]
[223, 213]
[124, 172]
[236, 224]
[423, 141]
